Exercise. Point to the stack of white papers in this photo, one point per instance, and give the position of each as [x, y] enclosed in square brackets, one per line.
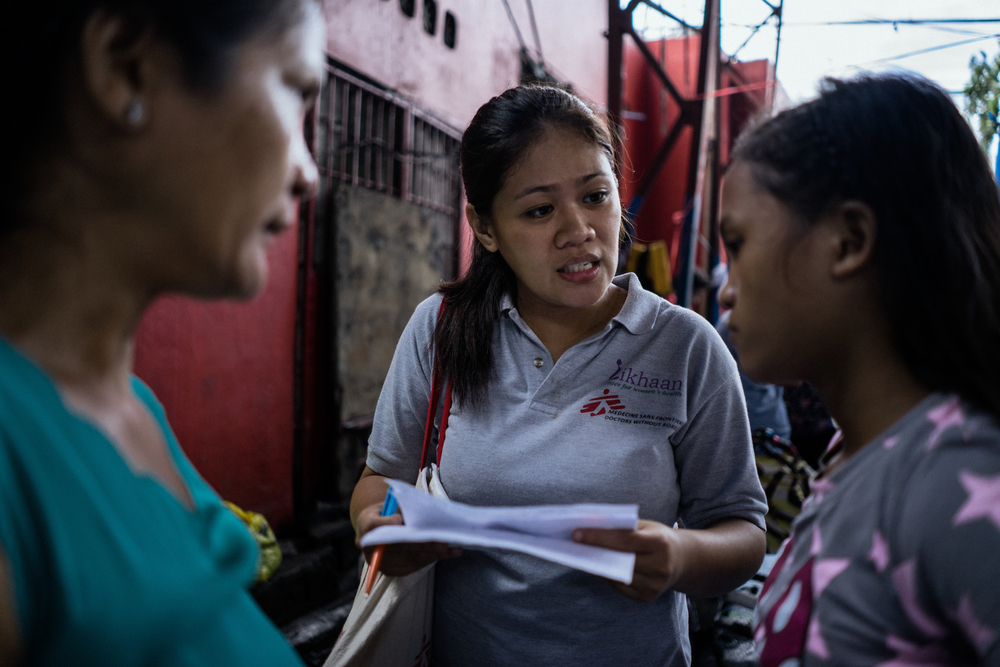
[544, 531]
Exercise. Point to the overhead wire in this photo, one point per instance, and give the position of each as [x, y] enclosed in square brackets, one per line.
[937, 24]
[955, 31]
[934, 48]
[534, 29]
[513, 23]
[899, 21]
[932, 26]
[655, 6]
[750, 36]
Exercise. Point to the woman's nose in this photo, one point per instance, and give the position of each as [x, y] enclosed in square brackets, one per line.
[574, 229]
[727, 295]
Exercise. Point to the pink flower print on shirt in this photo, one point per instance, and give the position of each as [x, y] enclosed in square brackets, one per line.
[904, 579]
[820, 487]
[944, 416]
[817, 541]
[978, 633]
[784, 553]
[787, 621]
[912, 655]
[825, 570]
[879, 553]
[889, 443]
[788, 626]
[815, 643]
[983, 501]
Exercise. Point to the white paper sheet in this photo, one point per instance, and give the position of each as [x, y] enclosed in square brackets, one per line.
[545, 531]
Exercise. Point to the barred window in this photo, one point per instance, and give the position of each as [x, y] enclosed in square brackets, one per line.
[372, 138]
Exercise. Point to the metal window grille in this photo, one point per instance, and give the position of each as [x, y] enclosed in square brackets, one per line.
[372, 138]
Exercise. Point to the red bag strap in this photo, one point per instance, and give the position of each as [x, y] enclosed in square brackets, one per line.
[444, 421]
[432, 411]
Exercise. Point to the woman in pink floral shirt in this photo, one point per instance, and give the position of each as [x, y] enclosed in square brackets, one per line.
[863, 230]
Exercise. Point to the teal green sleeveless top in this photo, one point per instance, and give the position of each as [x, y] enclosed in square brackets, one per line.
[108, 567]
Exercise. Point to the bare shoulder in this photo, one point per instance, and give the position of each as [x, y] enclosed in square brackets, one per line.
[10, 639]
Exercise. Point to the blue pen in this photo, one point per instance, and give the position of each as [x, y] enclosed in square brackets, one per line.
[390, 505]
[388, 509]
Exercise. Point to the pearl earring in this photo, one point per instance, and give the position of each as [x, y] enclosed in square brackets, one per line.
[135, 113]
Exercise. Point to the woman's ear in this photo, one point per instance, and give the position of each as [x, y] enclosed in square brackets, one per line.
[482, 228]
[116, 61]
[853, 236]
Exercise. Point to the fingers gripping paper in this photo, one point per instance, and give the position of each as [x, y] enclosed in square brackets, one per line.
[543, 531]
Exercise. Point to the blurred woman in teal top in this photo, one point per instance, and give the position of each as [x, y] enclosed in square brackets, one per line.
[148, 146]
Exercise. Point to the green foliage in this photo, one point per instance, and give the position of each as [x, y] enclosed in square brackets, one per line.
[982, 94]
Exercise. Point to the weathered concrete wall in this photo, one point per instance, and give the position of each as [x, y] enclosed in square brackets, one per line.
[391, 255]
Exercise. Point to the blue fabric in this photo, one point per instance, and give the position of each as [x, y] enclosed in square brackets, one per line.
[108, 567]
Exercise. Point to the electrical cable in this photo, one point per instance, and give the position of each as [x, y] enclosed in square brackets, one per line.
[534, 29]
[510, 15]
[935, 48]
[752, 33]
[656, 7]
[900, 21]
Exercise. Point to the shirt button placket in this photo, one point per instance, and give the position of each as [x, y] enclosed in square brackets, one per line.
[539, 362]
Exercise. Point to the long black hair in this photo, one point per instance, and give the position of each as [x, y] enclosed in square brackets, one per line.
[39, 61]
[899, 144]
[498, 137]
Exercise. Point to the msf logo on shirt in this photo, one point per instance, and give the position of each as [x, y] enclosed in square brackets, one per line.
[604, 402]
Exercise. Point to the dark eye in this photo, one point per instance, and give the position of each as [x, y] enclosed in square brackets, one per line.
[732, 246]
[596, 197]
[539, 211]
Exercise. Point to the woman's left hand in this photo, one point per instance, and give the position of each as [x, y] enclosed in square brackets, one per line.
[701, 562]
[659, 556]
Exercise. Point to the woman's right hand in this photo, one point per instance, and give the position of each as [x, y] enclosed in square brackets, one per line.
[404, 558]
[366, 514]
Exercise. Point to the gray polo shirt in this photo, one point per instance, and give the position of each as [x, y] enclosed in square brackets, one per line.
[648, 411]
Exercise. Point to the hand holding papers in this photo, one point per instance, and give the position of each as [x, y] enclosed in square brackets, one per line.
[543, 531]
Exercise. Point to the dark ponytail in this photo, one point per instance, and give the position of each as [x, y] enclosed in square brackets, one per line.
[898, 144]
[498, 137]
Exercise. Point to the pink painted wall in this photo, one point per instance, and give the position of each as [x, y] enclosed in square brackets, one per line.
[377, 39]
[224, 373]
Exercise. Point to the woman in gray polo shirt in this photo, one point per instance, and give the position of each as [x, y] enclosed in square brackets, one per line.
[569, 385]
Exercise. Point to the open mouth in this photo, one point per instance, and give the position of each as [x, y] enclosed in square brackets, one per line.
[578, 268]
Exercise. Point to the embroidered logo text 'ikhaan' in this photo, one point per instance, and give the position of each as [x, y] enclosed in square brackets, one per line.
[639, 379]
[611, 403]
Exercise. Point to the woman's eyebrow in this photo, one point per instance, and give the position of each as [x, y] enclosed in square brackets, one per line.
[549, 188]
[532, 189]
